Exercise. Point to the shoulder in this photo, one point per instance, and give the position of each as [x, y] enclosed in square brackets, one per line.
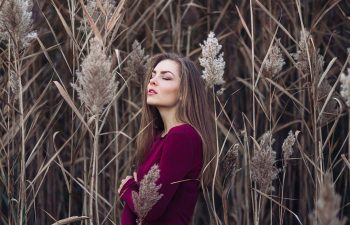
[185, 133]
[186, 129]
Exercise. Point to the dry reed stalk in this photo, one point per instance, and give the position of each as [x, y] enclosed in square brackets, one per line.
[96, 88]
[214, 68]
[16, 28]
[263, 171]
[287, 150]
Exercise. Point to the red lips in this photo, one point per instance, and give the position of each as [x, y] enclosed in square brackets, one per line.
[151, 91]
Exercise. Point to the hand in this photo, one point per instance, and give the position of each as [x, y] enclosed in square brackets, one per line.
[123, 182]
[135, 176]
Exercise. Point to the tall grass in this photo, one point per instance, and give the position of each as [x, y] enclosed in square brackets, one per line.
[61, 162]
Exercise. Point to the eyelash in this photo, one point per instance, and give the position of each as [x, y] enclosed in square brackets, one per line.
[164, 78]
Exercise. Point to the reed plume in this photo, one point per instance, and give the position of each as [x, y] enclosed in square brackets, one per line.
[148, 194]
[307, 51]
[345, 87]
[274, 62]
[230, 160]
[310, 62]
[96, 81]
[327, 205]
[287, 146]
[136, 63]
[16, 27]
[16, 22]
[262, 168]
[212, 61]
[99, 13]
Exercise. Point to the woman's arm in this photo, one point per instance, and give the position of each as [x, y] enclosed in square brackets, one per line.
[128, 217]
[176, 162]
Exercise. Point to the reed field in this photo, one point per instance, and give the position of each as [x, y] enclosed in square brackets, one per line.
[278, 75]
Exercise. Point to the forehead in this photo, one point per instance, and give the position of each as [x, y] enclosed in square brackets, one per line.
[168, 65]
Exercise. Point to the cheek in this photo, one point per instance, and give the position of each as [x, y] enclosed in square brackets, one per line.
[172, 91]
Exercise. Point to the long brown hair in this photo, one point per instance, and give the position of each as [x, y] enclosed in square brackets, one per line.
[193, 109]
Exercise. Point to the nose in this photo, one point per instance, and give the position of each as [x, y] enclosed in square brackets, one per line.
[153, 80]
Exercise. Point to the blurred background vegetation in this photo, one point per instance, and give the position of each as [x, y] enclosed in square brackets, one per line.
[46, 147]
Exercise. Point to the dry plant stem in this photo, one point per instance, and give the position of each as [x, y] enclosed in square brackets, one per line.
[93, 178]
[96, 140]
[281, 210]
[72, 6]
[116, 144]
[348, 134]
[85, 194]
[217, 156]
[23, 173]
[256, 202]
[22, 189]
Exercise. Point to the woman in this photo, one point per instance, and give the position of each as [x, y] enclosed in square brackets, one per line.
[177, 134]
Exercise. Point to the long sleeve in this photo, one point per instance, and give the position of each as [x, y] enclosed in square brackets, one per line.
[126, 193]
[176, 162]
[128, 217]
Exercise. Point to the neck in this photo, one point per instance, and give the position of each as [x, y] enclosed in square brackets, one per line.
[169, 118]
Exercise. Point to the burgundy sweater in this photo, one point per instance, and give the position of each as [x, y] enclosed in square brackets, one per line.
[179, 155]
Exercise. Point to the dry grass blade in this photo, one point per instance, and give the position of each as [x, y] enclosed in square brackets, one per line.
[72, 105]
[333, 88]
[64, 23]
[279, 204]
[71, 219]
[330, 64]
[34, 150]
[276, 21]
[115, 17]
[345, 160]
[324, 11]
[91, 22]
[244, 23]
[49, 58]
[288, 94]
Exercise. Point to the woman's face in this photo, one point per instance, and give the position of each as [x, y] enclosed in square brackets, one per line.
[163, 87]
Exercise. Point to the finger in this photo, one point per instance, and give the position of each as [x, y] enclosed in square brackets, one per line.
[135, 176]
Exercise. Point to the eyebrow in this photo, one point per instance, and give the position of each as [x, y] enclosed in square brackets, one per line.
[165, 71]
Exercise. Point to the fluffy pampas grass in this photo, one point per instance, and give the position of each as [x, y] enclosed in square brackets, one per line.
[16, 22]
[96, 82]
[212, 61]
[148, 194]
[327, 205]
[263, 170]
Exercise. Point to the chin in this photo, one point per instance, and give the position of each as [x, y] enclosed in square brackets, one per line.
[151, 103]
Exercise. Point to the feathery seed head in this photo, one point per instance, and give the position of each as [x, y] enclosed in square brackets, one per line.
[230, 161]
[263, 170]
[212, 61]
[16, 22]
[96, 14]
[327, 205]
[96, 83]
[274, 62]
[287, 146]
[136, 64]
[301, 56]
[345, 87]
[148, 194]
